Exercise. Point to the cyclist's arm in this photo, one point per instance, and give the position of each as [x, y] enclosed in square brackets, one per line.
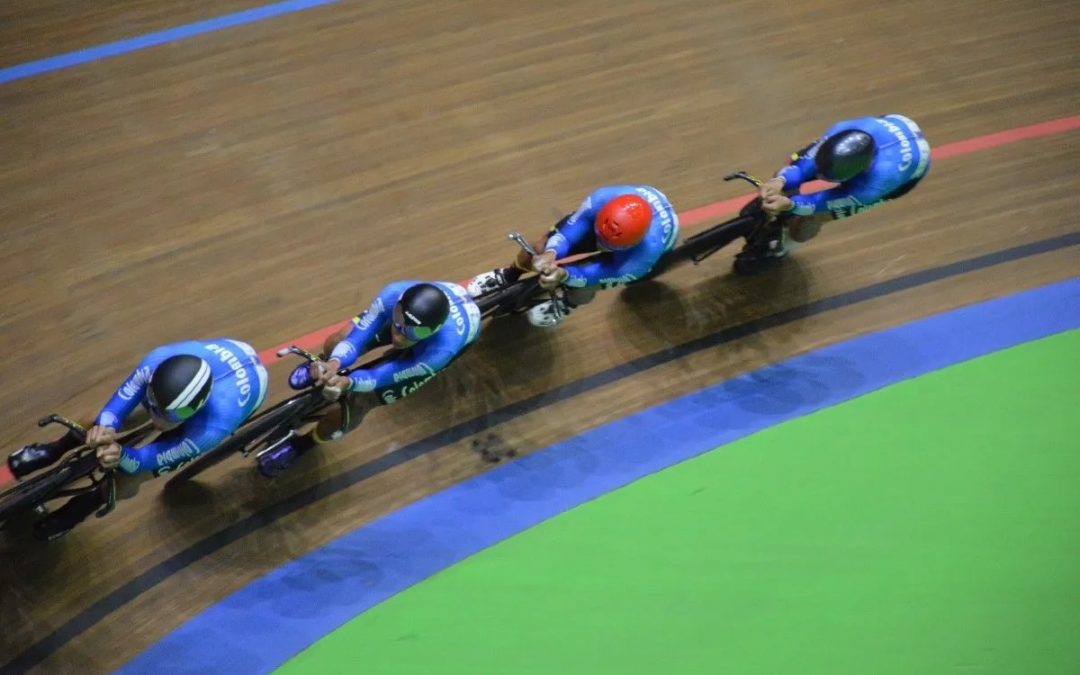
[847, 200]
[126, 398]
[575, 229]
[816, 202]
[800, 170]
[172, 448]
[609, 271]
[365, 327]
[406, 366]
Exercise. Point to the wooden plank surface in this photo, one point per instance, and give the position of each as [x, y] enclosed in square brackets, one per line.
[265, 181]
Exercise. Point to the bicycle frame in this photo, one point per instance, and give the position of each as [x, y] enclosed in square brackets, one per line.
[78, 464]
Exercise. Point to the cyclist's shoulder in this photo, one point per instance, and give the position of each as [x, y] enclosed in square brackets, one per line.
[606, 193]
[227, 356]
[456, 292]
[876, 183]
[867, 123]
[652, 194]
[162, 352]
[227, 405]
[394, 289]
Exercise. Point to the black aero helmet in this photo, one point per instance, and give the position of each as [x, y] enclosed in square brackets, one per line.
[845, 155]
[179, 387]
[421, 311]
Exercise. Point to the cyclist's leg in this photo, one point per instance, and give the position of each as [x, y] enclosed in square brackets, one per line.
[575, 297]
[64, 519]
[341, 420]
[766, 246]
[78, 508]
[801, 229]
[330, 427]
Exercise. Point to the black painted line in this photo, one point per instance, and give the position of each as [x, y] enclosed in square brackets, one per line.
[156, 575]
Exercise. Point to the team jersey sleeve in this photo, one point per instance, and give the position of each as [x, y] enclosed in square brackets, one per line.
[609, 268]
[801, 168]
[129, 395]
[576, 228]
[365, 327]
[816, 202]
[851, 199]
[172, 448]
[409, 364]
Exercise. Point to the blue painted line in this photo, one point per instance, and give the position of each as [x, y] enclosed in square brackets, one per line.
[262, 625]
[60, 61]
[161, 572]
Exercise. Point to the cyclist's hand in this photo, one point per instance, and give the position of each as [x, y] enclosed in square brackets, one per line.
[552, 277]
[543, 261]
[109, 455]
[774, 205]
[99, 435]
[335, 386]
[322, 371]
[771, 188]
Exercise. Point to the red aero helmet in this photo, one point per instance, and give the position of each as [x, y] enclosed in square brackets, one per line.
[623, 222]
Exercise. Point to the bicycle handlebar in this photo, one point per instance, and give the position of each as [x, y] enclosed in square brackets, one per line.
[64, 422]
[517, 238]
[742, 175]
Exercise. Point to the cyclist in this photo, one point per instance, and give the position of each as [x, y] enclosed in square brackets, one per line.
[873, 160]
[426, 324]
[632, 226]
[195, 392]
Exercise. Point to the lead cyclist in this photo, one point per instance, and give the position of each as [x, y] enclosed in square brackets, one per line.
[872, 160]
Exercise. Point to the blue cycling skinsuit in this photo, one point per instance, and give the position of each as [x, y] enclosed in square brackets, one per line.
[240, 385]
[576, 235]
[406, 371]
[901, 160]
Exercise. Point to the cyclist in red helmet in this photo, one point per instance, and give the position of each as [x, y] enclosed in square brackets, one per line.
[631, 226]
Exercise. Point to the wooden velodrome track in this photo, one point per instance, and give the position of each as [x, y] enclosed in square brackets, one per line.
[263, 181]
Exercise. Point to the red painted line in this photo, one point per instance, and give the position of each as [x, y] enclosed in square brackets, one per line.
[713, 211]
[988, 141]
[717, 210]
[5, 475]
[311, 342]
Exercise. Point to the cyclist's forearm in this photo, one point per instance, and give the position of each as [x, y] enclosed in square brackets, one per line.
[124, 400]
